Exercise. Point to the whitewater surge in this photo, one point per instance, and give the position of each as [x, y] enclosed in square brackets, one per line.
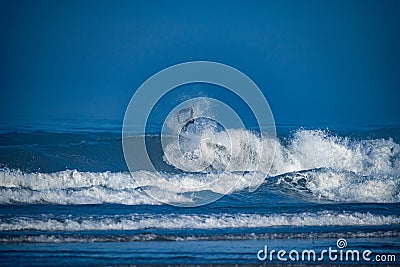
[310, 149]
[339, 168]
[314, 162]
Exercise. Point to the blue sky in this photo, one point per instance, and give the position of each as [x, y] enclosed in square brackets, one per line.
[335, 62]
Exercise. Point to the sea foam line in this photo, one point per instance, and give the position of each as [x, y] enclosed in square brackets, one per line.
[212, 221]
[126, 237]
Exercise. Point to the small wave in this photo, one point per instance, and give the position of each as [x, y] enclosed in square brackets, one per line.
[211, 221]
[126, 237]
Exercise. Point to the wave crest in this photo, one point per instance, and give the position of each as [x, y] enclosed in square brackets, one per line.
[315, 162]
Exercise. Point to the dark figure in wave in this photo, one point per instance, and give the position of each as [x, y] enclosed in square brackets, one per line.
[185, 116]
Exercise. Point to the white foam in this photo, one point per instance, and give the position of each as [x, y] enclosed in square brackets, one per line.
[310, 149]
[349, 170]
[342, 169]
[348, 186]
[233, 150]
[240, 150]
[74, 187]
[212, 221]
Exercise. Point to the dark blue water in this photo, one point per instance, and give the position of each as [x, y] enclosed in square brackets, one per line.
[67, 197]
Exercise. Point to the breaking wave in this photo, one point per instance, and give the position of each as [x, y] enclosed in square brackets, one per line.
[314, 162]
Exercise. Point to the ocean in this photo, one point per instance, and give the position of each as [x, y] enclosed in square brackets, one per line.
[67, 198]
